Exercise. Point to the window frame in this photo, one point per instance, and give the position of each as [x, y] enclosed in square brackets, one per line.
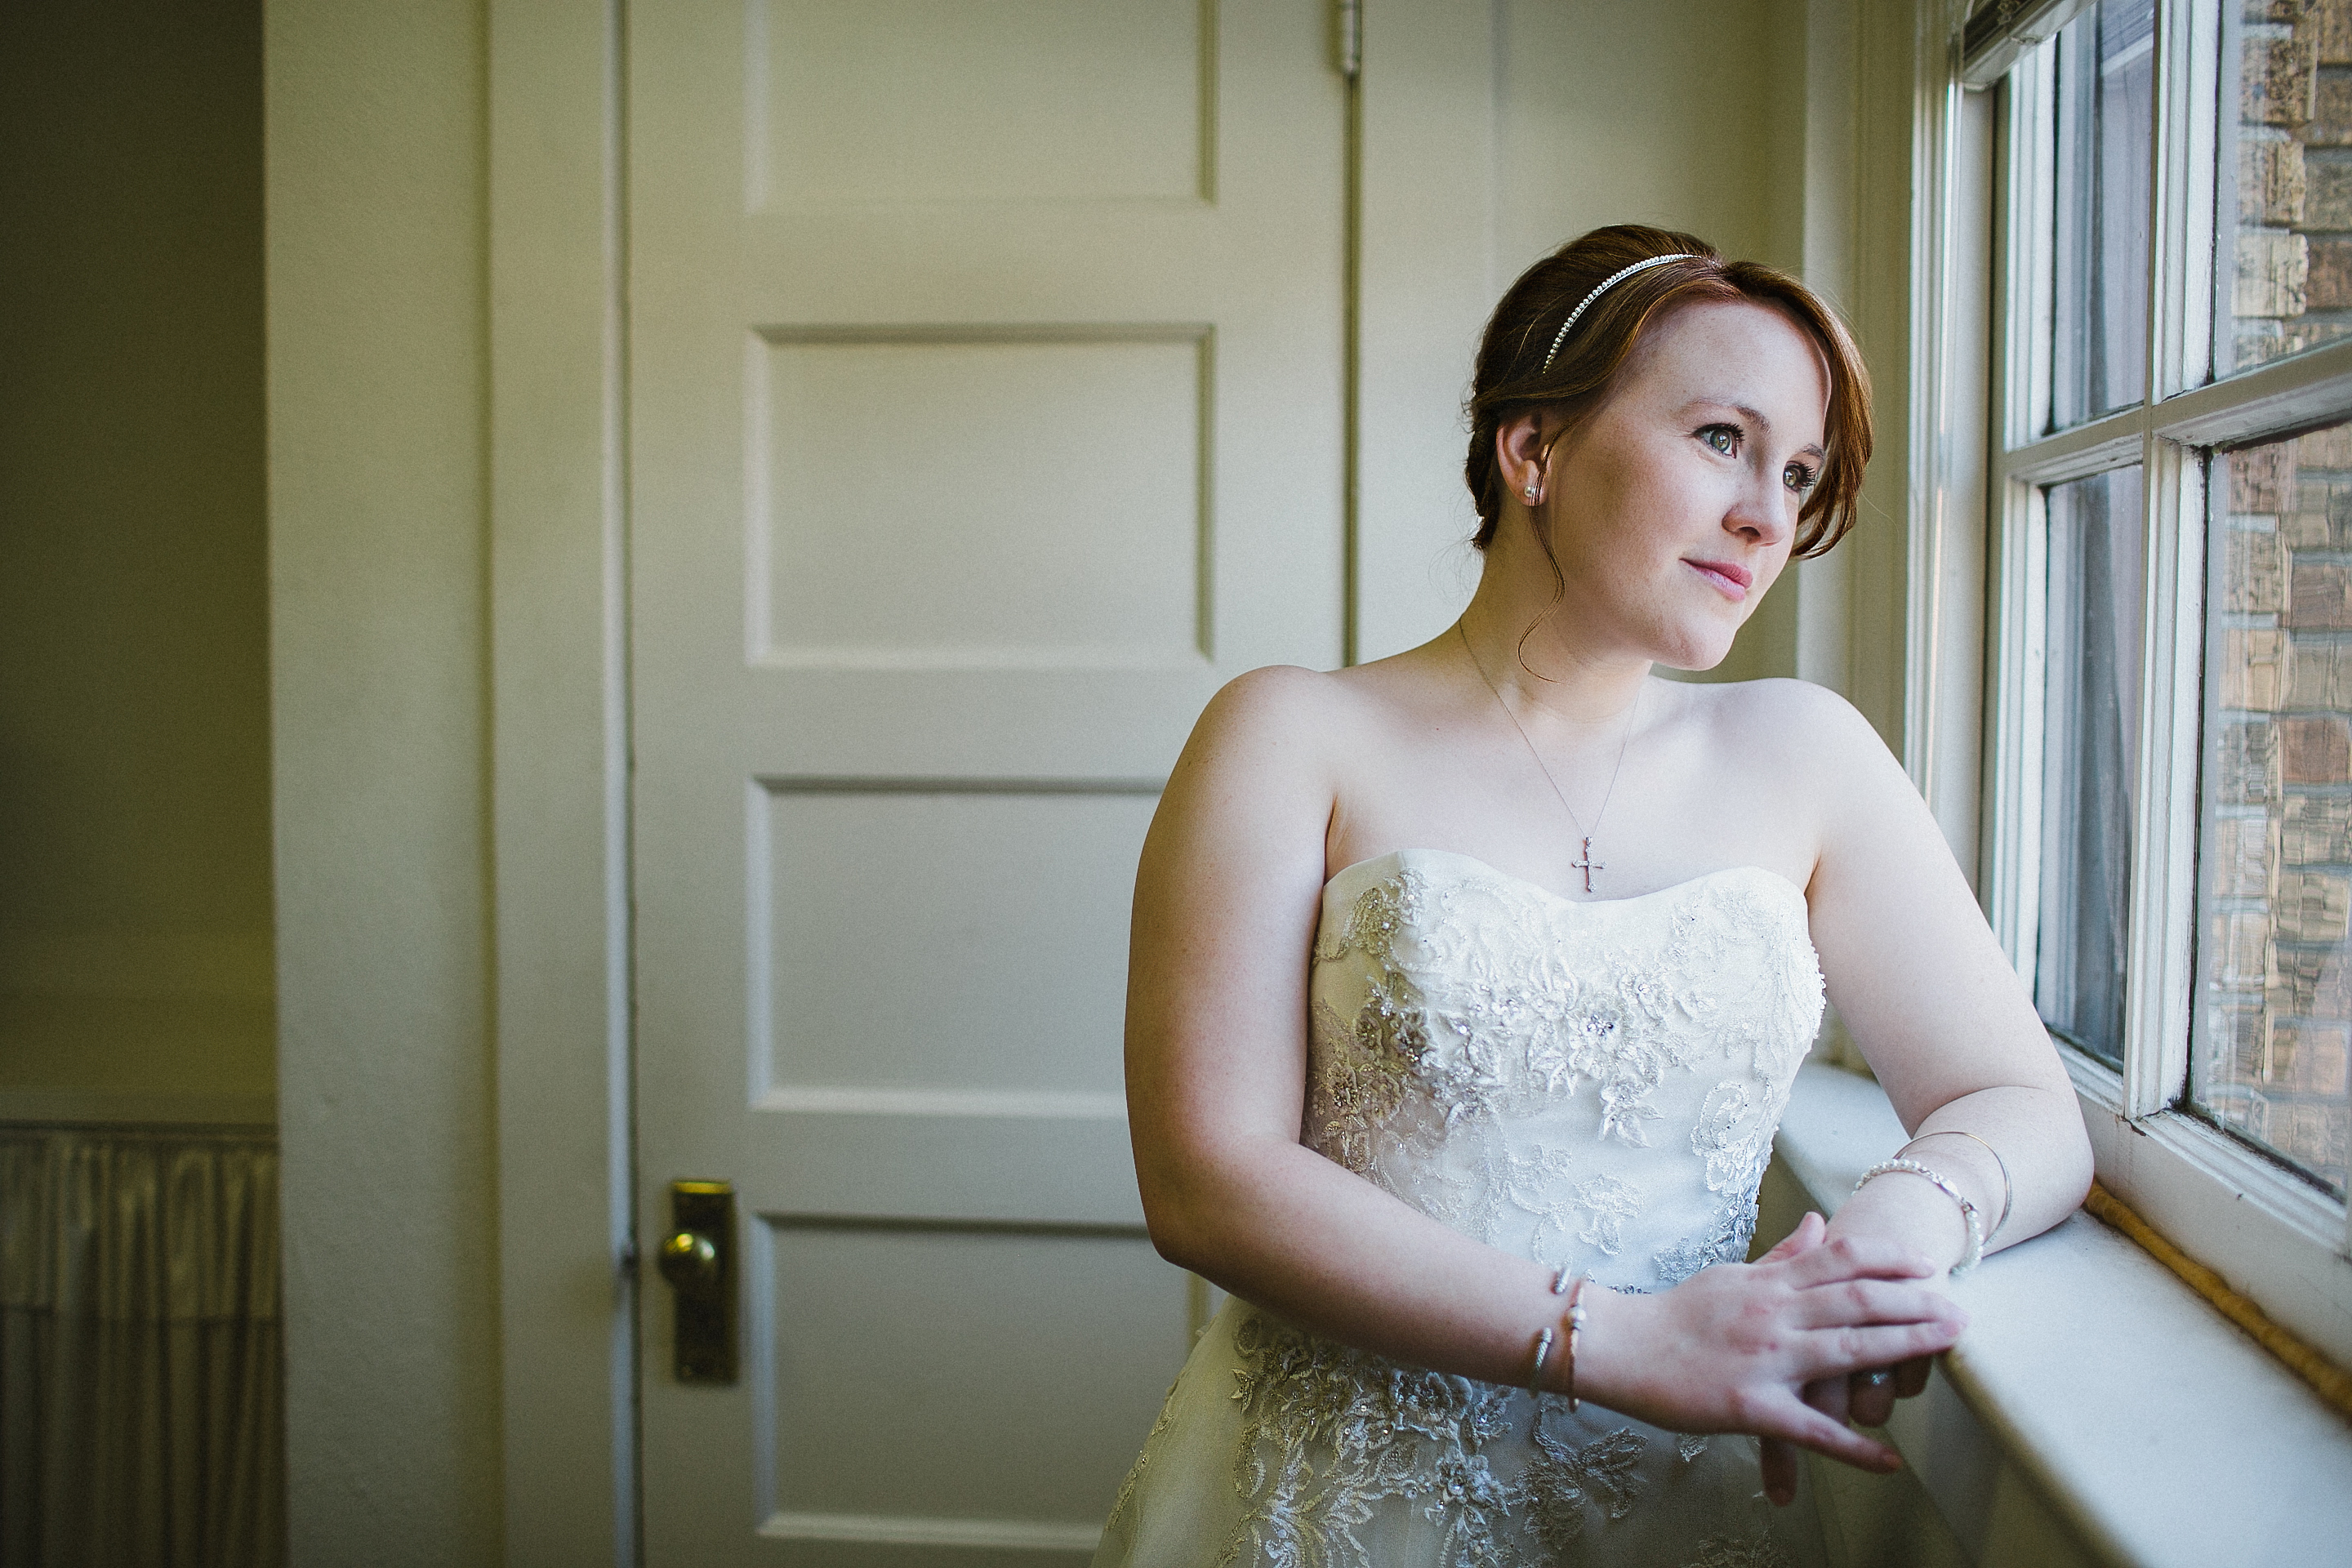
[2274, 1235]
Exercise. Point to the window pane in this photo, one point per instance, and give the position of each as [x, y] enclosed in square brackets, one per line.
[2283, 222]
[2274, 878]
[2105, 67]
[2089, 735]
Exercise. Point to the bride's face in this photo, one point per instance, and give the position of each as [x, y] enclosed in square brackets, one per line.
[1674, 503]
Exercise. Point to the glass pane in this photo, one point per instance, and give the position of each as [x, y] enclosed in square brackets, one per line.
[2089, 735]
[2284, 218]
[2274, 866]
[2105, 65]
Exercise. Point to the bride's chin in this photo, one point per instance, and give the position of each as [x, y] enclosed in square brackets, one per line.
[1694, 653]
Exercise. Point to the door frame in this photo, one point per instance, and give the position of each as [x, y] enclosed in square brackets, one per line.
[559, 805]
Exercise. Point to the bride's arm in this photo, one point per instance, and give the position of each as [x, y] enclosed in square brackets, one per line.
[1938, 1012]
[1227, 897]
[1945, 1024]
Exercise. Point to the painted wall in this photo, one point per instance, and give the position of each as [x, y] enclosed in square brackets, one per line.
[377, 320]
[1493, 133]
[380, 473]
[1690, 116]
[135, 901]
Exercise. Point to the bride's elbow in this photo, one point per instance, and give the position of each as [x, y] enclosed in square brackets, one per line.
[1174, 1229]
[2079, 1173]
[1188, 1212]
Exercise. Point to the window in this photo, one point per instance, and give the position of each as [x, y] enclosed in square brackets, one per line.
[2273, 1018]
[2169, 804]
[2090, 569]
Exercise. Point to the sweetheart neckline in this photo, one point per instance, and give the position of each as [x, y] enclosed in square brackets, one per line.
[1404, 850]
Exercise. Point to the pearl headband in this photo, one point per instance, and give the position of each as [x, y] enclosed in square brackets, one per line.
[1606, 284]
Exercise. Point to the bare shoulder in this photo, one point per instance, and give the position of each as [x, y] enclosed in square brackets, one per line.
[1796, 730]
[1280, 715]
[1262, 759]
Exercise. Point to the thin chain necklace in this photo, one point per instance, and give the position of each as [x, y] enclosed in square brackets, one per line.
[1587, 865]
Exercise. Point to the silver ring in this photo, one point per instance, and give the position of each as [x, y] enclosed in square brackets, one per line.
[1877, 1377]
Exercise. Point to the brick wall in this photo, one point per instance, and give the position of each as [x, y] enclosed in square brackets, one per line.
[2277, 873]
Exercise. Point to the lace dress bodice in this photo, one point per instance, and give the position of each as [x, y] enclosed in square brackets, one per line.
[1591, 1085]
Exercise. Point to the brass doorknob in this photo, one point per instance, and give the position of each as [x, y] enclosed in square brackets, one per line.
[697, 1258]
[690, 1261]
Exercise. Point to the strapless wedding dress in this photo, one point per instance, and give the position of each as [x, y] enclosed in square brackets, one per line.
[1589, 1084]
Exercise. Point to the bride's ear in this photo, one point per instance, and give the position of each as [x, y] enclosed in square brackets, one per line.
[1522, 452]
[1518, 452]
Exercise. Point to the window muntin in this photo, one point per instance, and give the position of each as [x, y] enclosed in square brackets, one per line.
[2091, 698]
[2282, 263]
[2102, 84]
[2272, 1058]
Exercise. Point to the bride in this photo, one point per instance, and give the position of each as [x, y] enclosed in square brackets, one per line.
[1468, 986]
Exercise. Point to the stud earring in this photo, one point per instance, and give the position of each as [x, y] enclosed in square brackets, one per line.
[1530, 493]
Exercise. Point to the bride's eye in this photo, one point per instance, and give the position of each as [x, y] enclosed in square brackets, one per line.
[1724, 438]
[1798, 477]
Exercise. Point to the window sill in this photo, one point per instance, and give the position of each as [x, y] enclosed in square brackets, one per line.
[2124, 1405]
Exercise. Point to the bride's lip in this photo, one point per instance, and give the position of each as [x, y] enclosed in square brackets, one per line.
[1733, 579]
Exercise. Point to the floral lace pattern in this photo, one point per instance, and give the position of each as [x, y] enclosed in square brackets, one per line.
[1594, 1086]
[1329, 1432]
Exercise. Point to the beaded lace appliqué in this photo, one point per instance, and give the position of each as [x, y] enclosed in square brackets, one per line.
[1553, 1082]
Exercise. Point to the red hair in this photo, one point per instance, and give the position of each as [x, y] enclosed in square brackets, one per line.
[1511, 378]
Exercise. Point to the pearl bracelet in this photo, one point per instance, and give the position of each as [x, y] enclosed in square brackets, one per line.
[2007, 1193]
[1971, 1255]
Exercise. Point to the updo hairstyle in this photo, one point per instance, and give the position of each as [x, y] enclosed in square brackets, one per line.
[1511, 380]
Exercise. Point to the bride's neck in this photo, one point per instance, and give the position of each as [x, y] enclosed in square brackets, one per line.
[1528, 653]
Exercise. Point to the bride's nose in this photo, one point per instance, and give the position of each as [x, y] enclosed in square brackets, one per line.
[1763, 513]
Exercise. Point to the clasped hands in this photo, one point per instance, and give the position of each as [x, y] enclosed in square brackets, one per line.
[1783, 1348]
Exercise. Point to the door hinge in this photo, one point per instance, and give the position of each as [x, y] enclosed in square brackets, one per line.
[1348, 36]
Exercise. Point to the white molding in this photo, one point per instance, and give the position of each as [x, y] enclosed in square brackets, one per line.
[2164, 798]
[1935, 94]
[113, 1108]
[2272, 1236]
[1945, 623]
[907, 1530]
[2032, 21]
[2302, 390]
[2109, 442]
[1043, 1104]
[558, 807]
[2180, 331]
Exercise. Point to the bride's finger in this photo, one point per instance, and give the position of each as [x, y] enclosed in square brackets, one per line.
[1833, 1353]
[1832, 1397]
[1870, 1397]
[1797, 1422]
[1780, 1471]
[1804, 1238]
[1850, 1302]
[1857, 1258]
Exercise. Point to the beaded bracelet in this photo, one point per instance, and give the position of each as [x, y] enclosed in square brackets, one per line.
[1974, 1252]
[2007, 1193]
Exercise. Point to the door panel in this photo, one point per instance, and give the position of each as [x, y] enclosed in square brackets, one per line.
[984, 418]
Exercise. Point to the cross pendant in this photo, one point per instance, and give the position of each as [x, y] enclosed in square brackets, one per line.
[1587, 865]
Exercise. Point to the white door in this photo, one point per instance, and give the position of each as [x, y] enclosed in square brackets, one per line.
[985, 415]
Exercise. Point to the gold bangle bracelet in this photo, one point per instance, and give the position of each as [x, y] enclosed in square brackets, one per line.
[1576, 1310]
